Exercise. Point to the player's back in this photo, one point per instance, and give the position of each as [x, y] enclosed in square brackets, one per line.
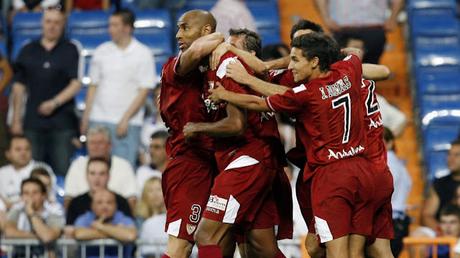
[180, 103]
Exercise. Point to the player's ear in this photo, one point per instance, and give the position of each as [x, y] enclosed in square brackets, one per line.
[207, 29]
[315, 62]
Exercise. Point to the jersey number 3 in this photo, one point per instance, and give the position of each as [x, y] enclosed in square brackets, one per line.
[345, 102]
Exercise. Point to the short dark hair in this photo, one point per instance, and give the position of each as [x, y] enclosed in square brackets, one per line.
[252, 40]
[16, 137]
[127, 16]
[33, 180]
[343, 39]
[455, 142]
[305, 25]
[39, 171]
[98, 159]
[161, 134]
[318, 45]
[450, 210]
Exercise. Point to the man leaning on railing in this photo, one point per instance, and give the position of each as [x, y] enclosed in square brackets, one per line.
[33, 218]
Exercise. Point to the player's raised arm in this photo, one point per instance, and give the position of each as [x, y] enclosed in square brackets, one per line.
[200, 48]
[250, 102]
[257, 65]
[237, 72]
[376, 72]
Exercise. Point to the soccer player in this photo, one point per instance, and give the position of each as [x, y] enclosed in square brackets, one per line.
[328, 108]
[241, 197]
[187, 179]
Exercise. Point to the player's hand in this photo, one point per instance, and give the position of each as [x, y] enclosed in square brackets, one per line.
[190, 130]
[332, 25]
[122, 128]
[217, 93]
[46, 108]
[237, 72]
[217, 54]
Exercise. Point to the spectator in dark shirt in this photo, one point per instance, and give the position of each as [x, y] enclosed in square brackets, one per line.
[47, 71]
[98, 177]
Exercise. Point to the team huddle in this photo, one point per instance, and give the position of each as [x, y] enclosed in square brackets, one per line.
[225, 181]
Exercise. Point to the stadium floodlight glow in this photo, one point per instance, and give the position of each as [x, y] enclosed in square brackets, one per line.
[439, 113]
[149, 24]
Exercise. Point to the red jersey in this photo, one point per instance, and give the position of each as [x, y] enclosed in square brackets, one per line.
[329, 113]
[180, 103]
[250, 142]
[376, 150]
[282, 77]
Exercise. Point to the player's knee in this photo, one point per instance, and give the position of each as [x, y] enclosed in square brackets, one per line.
[380, 249]
[203, 237]
[179, 249]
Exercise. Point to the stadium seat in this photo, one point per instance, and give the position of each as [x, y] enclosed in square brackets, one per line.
[3, 51]
[154, 29]
[26, 25]
[437, 103]
[80, 98]
[267, 21]
[18, 43]
[437, 57]
[430, 4]
[436, 164]
[87, 23]
[438, 80]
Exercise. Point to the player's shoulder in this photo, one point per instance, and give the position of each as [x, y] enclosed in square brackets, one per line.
[226, 59]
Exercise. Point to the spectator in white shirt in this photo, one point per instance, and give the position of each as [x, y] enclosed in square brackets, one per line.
[122, 73]
[122, 179]
[158, 158]
[19, 154]
[402, 186]
[35, 6]
[151, 216]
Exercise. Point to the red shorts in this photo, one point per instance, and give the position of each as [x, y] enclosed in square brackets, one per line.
[383, 217]
[238, 194]
[303, 193]
[342, 195]
[186, 184]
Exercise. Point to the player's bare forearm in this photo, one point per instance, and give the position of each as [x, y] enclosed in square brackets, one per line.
[353, 51]
[280, 63]
[265, 88]
[376, 72]
[251, 60]
[232, 125]
[245, 101]
[200, 48]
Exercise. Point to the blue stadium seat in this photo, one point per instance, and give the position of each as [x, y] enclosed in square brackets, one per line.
[438, 80]
[437, 57]
[436, 164]
[430, 103]
[88, 23]
[26, 25]
[436, 22]
[3, 51]
[267, 21]
[154, 29]
[430, 4]
[80, 98]
[19, 42]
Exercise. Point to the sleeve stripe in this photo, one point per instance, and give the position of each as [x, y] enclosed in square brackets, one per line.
[267, 100]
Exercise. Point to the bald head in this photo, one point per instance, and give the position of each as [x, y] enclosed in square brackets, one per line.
[201, 18]
[103, 203]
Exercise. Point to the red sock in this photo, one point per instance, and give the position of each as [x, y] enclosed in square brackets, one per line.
[165, 256]
[279, 254]
[209, 251]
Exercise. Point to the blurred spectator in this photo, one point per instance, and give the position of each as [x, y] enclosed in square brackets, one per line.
[122, 73]
[6, 73]
[449, 226]
[86, 5]
[105, 221]
[363, 19]
[275, 51]
[47, 69]
[158, 158]
[122, 179]
[34, 218]
[49, 180]
[443, 189]
[33, 5]
[97, 176]
[402, 186]
[151, 215]
[21, 164]
[392, 117]
[232, 14]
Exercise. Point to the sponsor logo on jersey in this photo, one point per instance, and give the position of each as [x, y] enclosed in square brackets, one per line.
[345, 153]
[216, 204]
[190, 228]
[375, 124]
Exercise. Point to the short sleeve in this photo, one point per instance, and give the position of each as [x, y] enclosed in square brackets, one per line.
[168, 71]
[289, 102]
[72, 62]
[146, 74]
[124, 220]
[83, 221]
[55, 221]
[95, 68]
[228, 83]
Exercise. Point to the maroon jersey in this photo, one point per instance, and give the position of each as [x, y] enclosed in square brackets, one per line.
[329, 113]
[249, 143]
[180, 103]
[282, 77]
[376, 152]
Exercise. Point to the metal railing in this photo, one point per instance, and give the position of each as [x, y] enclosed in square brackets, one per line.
[70, 248]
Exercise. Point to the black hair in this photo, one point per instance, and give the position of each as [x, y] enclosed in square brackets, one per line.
[98, 159]
[39, 171]
[33, 180]
[161, 134]
[127, 16]
[388, 135]
[252, 40]
[318, 45]
[305, 25]
[450, 210]
[16, 137]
